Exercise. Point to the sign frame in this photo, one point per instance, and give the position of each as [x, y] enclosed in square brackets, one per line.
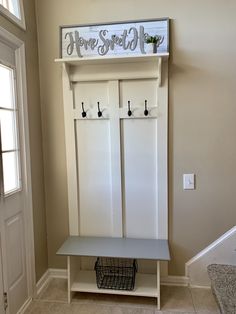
[120, 23]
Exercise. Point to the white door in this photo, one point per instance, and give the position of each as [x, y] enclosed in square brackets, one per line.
[12, 176]
[2, 305]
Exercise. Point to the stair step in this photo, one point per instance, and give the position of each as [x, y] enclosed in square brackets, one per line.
[223, 283]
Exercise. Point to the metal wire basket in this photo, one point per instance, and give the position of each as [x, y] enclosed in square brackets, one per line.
[115, 273]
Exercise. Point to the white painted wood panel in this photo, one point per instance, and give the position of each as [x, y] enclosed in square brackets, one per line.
[117, 71]
[89, 87]
[137, 91]
[93, 160]
[15, 251]
[94, 177]
[90, 93]
[140, 178]
[16, 262]
[139, 150]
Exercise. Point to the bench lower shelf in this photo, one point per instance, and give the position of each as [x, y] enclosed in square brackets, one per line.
[79, 280]
[145, 285]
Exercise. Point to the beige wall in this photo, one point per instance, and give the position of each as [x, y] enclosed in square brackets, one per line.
[202, 114]
[30, 38]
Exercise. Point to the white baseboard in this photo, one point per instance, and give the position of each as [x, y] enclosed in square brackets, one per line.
[209, 248]
[42, 283]
[62, 273]
[200, 287]
[221, 251]
[57, 273]
[24, 306]
[175, 281]
[47, 277]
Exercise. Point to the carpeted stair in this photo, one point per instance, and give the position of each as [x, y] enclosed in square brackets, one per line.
[223, 283]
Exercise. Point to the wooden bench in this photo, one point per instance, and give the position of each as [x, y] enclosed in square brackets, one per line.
[147, 285]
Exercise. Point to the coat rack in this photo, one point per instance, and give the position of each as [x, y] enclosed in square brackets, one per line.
[121, 163]
[95, 112]
[112, 82]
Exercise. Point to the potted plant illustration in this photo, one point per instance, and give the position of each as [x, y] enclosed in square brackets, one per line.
[153, 42]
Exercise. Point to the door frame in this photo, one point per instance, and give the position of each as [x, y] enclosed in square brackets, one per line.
[19, 47]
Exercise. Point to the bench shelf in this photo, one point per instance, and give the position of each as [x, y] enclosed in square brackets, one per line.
[146, 285]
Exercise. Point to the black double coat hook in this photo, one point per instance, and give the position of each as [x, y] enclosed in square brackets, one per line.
[84, 114]
[146, 110]
[129, 110]
[99, 111]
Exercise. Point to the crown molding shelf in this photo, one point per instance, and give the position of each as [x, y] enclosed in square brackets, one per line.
[115, 59]
[156, 58]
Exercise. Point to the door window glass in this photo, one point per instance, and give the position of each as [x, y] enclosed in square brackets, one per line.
[12, 6]
[8, 131]
[13, 10]
[11, 180]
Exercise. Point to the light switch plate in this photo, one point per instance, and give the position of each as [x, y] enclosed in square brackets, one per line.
[189, 181]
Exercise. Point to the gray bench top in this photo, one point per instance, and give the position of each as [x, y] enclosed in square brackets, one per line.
[116, 247]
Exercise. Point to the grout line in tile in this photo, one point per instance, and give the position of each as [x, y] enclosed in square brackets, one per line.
[50, 301]
[134, 306]
[195, 311]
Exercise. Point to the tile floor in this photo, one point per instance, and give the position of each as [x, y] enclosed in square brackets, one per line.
[173, 300]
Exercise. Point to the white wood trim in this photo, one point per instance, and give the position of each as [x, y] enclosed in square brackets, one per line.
[115, 59]
[12, 17]
[158, 286]
[47, 277]
[25, 306]
[19, 47]
[175, 281]
[102, 70]
[162, 156]
[42, 283]
[166, 280]
[70, 153]
[213, 245]
[22, 12]
[69, 278]
[159, 71]
[29, 231]
[221, 251]
[117, 228]
[199, 287]
[57, 273]
[98, 76]
[181, 281]
[10, 39]
[164, 268]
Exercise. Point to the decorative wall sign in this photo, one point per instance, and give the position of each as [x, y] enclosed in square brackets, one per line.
[115, 39]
